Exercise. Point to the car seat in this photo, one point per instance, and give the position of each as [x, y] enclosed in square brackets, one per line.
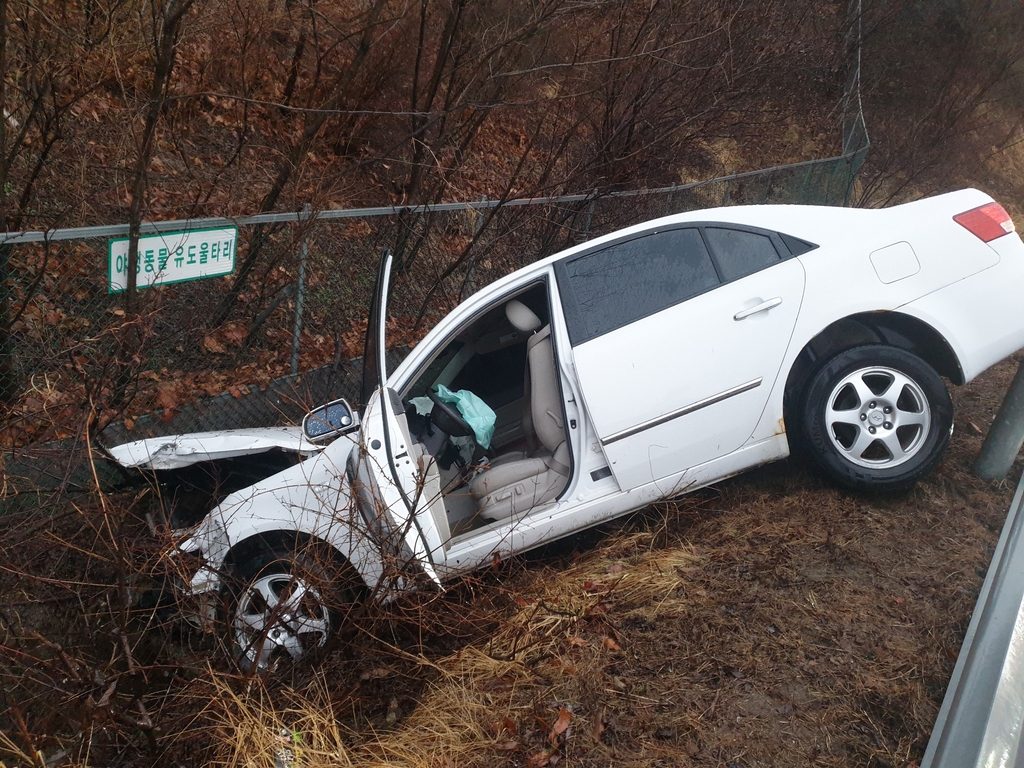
[519, 481]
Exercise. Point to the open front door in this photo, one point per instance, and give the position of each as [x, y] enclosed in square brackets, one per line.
[390, 496]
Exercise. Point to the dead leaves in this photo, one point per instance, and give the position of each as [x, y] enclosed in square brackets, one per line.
[166, 395]
[164, 392]
[504, 726]
[231, 335]
[509, 739]
[212, 345]
[598, 728]
[609, 644]
[559, 730]
[561, 725]
[503, 729]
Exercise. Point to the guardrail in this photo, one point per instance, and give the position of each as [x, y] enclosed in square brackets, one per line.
[981, 722]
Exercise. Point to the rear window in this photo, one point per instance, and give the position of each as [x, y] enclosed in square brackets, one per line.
[634, 279]
[740, 253]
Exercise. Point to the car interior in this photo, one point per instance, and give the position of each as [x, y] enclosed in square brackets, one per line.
[505, 357]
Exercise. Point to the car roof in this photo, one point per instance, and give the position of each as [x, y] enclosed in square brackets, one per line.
[817, 223]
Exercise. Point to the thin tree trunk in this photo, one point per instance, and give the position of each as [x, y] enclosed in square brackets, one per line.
[288, 166]
[165, 54]
[8, 377]
[166, 50]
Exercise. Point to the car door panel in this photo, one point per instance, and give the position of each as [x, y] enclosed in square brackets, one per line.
[394, 505]
[689, 384]
[418, 535]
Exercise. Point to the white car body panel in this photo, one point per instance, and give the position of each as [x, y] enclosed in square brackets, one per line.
[911, 259]
[568, 516]
[177, 451]
[419, 531]
[949, 256]
[980, 339]
[312, 498]
[683, 356]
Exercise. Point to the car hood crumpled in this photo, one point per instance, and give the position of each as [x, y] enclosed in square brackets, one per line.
[177, 451]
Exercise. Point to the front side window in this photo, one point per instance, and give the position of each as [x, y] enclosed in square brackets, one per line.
[631, 280]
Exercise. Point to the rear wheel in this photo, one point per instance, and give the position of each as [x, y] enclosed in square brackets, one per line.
[876, 418]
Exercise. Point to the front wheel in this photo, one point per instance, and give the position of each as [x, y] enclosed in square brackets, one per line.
[876, 418]
[283, 607]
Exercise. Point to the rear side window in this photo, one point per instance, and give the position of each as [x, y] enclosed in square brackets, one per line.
[740, 253]
[634, 279]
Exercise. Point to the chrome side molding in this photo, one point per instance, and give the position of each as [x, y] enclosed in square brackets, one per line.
[682, 411]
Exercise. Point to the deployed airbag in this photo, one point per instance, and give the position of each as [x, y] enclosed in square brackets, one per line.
[475, 411]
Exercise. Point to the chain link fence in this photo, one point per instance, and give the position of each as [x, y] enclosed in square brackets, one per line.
[79, 361]
[170, 368]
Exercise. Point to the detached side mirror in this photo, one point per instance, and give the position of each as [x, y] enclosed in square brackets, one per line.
[329, 420]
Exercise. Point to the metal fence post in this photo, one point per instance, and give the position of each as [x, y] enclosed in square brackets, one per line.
[1006, 435]
[300, 287]
[467, 287]
[590, 212]
[801, 195]
[727, 194]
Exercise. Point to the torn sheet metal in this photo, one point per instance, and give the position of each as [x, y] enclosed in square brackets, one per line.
[177, 451]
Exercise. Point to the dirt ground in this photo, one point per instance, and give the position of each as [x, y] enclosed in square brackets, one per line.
[769, 621]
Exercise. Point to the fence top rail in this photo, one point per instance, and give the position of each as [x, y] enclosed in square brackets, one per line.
[154, 227]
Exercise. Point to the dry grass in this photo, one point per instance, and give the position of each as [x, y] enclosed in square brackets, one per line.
[770, 621]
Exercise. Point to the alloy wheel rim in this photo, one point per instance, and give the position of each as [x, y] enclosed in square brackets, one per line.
[877, 417]
[280, 616]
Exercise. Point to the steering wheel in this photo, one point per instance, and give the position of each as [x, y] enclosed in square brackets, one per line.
[447, 417]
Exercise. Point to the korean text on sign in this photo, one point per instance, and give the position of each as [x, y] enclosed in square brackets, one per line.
[174, 257]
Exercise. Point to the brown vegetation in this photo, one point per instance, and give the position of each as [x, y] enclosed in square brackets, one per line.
[769, 621]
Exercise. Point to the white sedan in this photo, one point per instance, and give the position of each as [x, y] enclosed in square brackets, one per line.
[628, 369]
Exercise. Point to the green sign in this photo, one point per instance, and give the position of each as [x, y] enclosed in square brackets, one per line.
[173, 257]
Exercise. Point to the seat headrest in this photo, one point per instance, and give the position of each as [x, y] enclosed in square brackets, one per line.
[521, 316]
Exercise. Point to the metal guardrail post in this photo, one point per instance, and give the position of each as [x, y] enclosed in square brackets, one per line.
[1006, 436]
[300, 287]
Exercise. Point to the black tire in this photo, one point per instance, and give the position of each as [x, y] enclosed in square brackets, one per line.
[282, 607]
[876, 418]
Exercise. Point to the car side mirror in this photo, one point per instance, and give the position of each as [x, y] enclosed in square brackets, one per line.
[335, 418]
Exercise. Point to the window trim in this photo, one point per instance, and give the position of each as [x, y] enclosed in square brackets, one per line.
[574, 322]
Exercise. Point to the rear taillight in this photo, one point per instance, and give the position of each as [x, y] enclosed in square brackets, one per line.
[987, 222]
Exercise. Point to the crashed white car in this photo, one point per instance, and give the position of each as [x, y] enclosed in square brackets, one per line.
[628, 369]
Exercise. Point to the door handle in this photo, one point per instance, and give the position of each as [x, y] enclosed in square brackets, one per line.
[764, 306]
